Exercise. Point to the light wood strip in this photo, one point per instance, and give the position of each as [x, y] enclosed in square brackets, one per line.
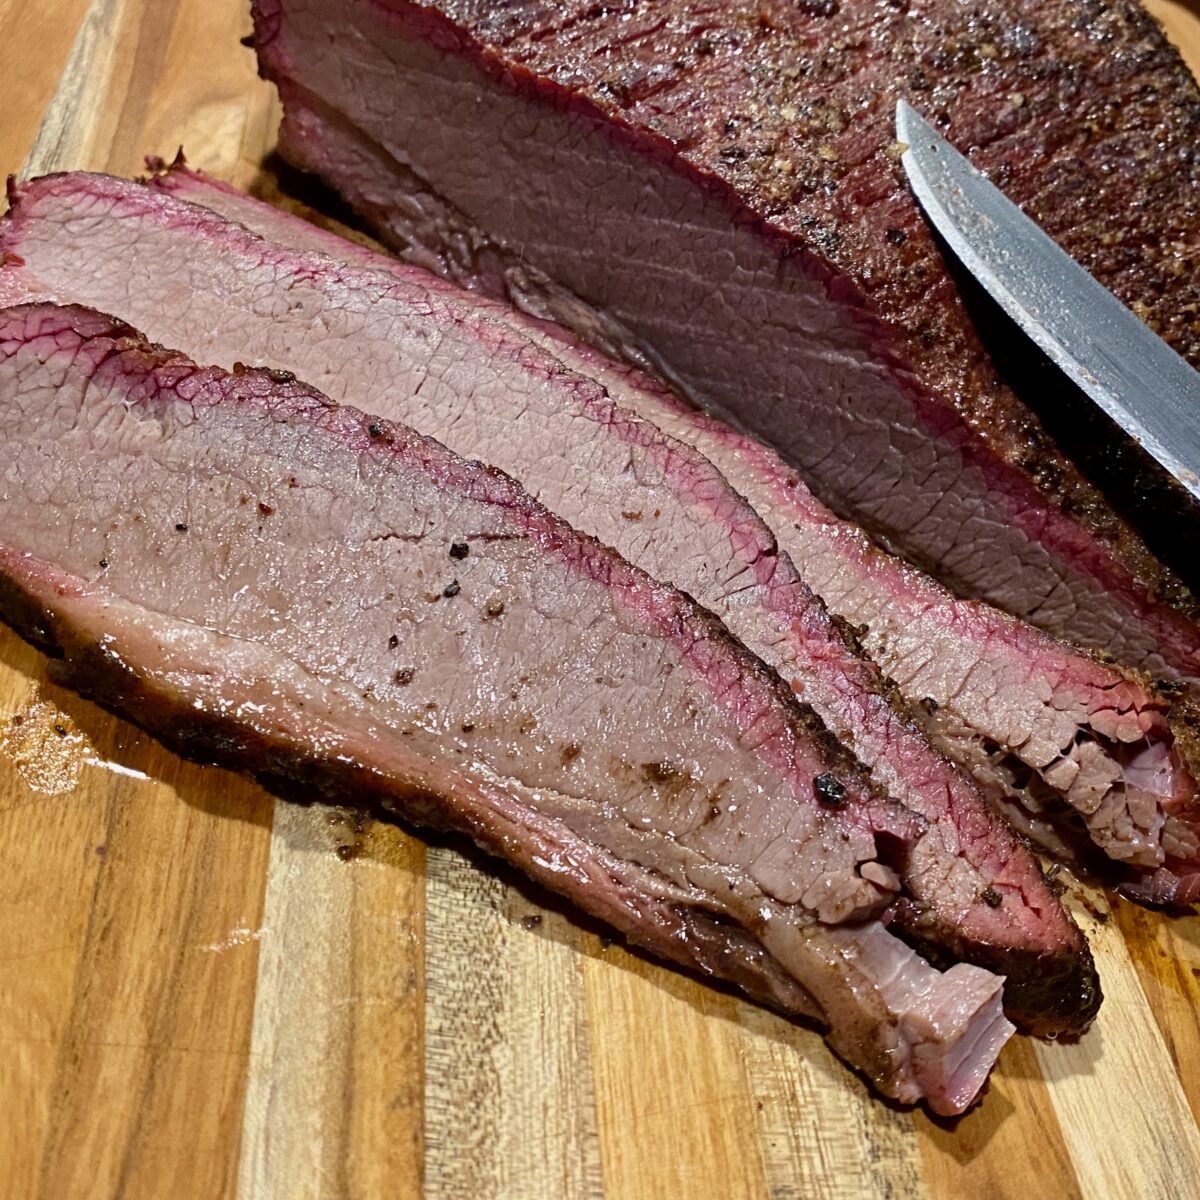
[675, 1101]
[71, 132]
[334, 1100]
[1166, 954]
[134, 84]
[824, 1135]
[49, 868]
[224, 117]
[148, 1084]
[144, 39]
[1123, 1112]
[509, 1107]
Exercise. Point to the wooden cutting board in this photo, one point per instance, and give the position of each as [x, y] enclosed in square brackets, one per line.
[205, 993]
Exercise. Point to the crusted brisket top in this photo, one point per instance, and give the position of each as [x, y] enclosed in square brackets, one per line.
[1080, 109]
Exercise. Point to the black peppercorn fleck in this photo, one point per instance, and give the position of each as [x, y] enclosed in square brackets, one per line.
[830, 790]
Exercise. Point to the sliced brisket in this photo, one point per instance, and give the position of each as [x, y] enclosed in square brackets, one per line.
[1080, 755]
[403, 344]
[257, 575]
[713, 191]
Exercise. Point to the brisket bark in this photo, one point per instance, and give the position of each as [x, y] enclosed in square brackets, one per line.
[401, 343]
[713, 192]
[1079, 754]
[259, 576]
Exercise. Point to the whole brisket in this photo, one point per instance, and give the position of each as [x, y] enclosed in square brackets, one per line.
[302, 591]
[712, 191]
[1081, 755]
[401, 343]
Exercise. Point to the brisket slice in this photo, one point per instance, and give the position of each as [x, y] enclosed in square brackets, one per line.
[1079, 754]
[713, 192]
[404, 344]
[257, 575]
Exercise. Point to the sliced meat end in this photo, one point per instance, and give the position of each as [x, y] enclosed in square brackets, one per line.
[1095, 763]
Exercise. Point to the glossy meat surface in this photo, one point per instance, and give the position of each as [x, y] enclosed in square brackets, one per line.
[402, 344]
[240, 565]
[749, 236]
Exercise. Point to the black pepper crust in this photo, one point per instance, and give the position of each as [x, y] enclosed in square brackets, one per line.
[1080, 109]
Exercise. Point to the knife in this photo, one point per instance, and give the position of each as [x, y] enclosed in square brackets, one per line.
[1117, 360]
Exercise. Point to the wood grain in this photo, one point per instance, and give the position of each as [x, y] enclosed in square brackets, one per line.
[205, 992]
[113, 1012]
[335, 1095]
[1119, 1099]
[670, 1074]
[509, 1102]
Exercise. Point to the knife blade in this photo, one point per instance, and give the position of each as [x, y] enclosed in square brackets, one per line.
[1123, 365]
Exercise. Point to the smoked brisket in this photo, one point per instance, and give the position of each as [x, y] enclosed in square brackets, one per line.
[713, 192]
[261, 577]
[402, 344]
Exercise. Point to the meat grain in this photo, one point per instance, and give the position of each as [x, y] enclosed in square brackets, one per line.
[1087, 759]
[713, 192]
[401, 343]
[314, 622]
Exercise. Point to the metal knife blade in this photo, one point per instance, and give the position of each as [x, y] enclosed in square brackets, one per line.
[1126, 368]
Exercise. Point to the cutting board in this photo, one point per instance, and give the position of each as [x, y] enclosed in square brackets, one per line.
[207, 993]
